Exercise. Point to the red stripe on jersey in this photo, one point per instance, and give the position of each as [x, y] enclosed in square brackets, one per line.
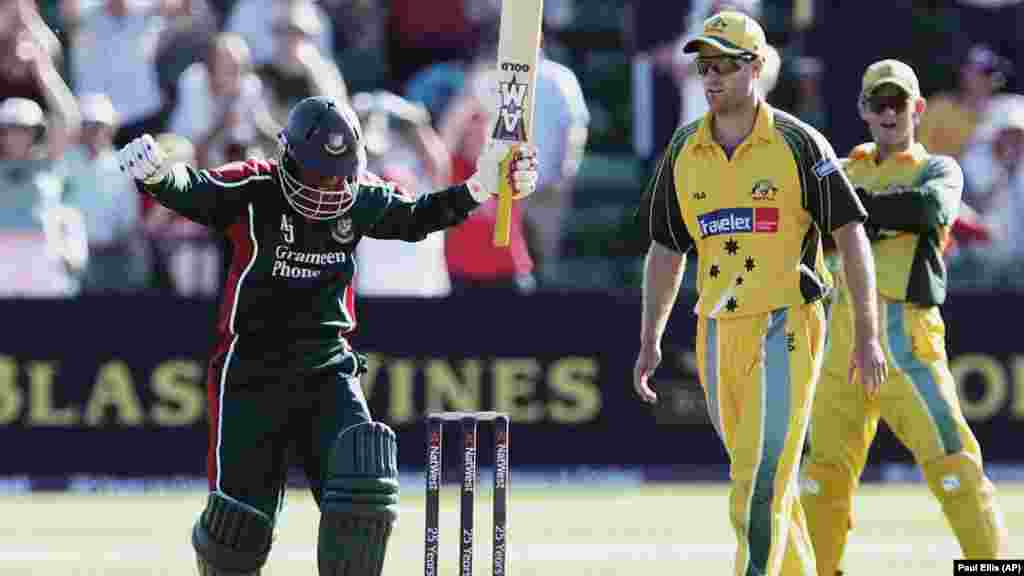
[237, 171]
[213, 376]
[350, 303]
[242, 251]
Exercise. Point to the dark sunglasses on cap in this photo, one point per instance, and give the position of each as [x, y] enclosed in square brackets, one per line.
[881, 102]
[723, 65]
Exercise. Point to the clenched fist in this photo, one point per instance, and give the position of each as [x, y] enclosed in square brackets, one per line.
[143, 159]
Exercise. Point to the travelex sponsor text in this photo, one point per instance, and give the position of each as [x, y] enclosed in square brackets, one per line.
[738, 220]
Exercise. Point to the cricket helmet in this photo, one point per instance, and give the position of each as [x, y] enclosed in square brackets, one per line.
[322, 140]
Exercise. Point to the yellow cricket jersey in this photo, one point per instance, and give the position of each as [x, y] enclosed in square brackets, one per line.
[912, 199]
[755, 218]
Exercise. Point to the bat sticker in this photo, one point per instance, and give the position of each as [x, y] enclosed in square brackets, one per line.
[511, 123]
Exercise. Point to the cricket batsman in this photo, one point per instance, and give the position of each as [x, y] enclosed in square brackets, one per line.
[911, 198]
[282, 373]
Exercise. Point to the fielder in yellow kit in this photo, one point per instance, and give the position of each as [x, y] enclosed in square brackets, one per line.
[753, 190]
[912, 198]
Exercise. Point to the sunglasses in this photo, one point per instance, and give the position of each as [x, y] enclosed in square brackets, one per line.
[722, 65]
[880, 103]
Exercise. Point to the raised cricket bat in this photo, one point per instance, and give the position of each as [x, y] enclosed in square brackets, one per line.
[518, 51]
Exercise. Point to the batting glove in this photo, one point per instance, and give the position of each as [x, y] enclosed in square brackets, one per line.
[143, 160]
[513, 165]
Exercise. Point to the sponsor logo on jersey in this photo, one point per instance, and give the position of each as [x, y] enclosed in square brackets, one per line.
[738, 221]
[512, 94]
[342, 231]
[287, 229]
[296, 264]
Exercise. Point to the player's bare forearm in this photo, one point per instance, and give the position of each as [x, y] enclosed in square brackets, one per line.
[663, 273]
[859, 271]
[413, 220]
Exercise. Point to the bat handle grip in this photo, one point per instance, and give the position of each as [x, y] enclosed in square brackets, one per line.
[503, 223]
[503, 226]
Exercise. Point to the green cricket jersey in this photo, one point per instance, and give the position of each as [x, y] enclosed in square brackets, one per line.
[287, 299]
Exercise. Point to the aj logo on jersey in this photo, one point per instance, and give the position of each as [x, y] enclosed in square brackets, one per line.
[287, 230]
[511, 124]
[341, 230]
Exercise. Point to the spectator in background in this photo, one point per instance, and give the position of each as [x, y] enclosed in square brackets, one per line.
[358, 28]
[23, 36]
[221, 108]
[439, 84]
[474, 263]
[423, 33]
[297, 69]
[995, 22]
[43, 246]
[39, 81]
[400, 130]
[108, 201]
[810, 100]
[436, 86]
[560, 131]
[113, 52]
[951, 118]
[403, 148]
[995, 176]
[652, 34]
[186, 259]
[253, 20]
[190, 26]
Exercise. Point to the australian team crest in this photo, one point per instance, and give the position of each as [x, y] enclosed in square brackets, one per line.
[717, 25]
[763, 190]
[342, 232]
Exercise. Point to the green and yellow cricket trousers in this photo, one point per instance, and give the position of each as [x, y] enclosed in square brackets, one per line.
[759, 374]
[919, 403]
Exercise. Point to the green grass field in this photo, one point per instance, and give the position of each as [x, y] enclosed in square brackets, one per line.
[655, 531]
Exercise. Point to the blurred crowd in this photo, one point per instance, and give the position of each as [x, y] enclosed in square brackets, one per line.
[213, 81]
[983, 127]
